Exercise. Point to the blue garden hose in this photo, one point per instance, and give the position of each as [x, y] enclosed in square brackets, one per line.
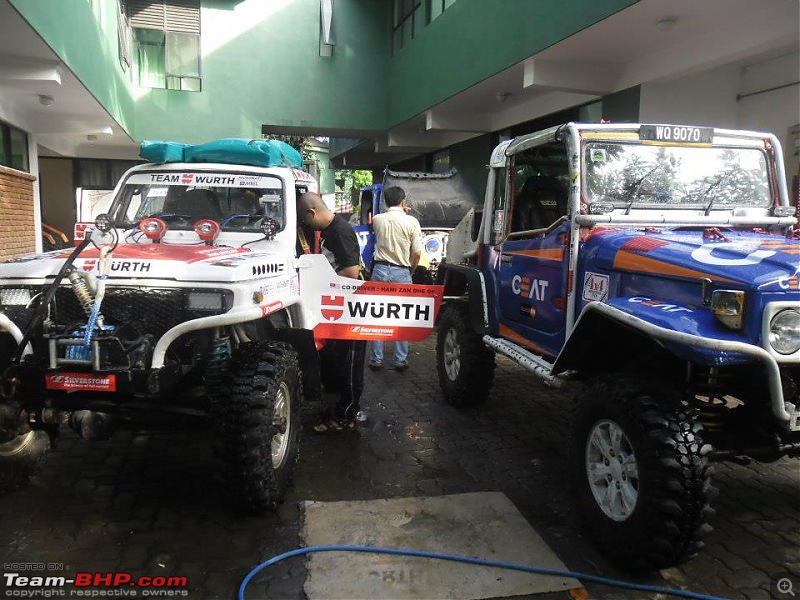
[475, 561]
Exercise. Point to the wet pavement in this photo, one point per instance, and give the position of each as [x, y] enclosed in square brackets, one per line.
[149, 504]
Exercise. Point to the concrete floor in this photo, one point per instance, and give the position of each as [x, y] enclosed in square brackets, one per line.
[149, 504]
[480, 525]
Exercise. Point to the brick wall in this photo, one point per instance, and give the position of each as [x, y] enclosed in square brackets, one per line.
[17, 225]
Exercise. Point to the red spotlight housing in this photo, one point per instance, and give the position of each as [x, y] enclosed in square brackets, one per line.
[153, 228]
[207, 230]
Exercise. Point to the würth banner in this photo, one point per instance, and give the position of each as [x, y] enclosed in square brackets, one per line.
[350, 309]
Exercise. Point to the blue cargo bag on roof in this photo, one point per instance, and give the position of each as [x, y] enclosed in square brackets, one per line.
[161, 152]
[259, 153]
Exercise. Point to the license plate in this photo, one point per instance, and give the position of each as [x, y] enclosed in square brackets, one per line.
[677, 134]
[86, 382]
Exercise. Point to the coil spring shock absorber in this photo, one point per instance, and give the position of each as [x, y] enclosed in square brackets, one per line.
[711, 406]
[217, 360]
[82, 291]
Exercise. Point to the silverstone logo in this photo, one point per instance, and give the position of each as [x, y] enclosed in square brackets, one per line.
[81, 381]
[372, 331]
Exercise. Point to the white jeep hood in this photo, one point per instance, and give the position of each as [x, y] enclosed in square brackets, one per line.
[176, 262]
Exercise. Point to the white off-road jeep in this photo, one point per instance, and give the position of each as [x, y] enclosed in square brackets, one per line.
[184, 300]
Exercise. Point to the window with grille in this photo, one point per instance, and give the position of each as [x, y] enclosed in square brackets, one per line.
[164, 43]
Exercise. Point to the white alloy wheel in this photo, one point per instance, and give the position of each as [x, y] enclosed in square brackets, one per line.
[452, 355]
[281, 422]
[611, 470]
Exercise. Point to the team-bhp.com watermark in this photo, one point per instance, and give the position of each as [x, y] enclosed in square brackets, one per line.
[23, 580]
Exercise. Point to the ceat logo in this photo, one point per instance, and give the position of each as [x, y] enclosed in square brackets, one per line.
[187, 178]
[332, 307]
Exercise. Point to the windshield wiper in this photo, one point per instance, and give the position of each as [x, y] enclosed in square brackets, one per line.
[714, 197]
[633, 188]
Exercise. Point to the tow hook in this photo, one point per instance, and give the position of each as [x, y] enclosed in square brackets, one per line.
[90, 424]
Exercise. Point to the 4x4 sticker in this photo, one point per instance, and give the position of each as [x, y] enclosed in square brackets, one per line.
[595, 287]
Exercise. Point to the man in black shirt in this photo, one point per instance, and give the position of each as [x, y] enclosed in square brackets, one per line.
[344, 357]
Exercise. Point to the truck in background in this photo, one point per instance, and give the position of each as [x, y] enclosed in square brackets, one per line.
[438, 200]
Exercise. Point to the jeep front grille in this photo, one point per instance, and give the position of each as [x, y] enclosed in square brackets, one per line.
[152, 310]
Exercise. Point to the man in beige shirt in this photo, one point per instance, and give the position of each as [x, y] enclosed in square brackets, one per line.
[398, 247]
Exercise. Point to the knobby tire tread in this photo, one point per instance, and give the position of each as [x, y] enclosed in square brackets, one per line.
[476, 375]
[674, 504]
[243, 423]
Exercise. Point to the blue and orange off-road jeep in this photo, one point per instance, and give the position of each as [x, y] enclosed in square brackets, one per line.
[655, 269]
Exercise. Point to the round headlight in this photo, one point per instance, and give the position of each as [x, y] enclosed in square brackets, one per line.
[784, 332]
[432, 245]
[153, 228]
[104, 222]
[207, 230]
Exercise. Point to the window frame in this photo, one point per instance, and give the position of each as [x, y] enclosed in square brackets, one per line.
[7, 148]
[172, 21]
[441, 5]
[404, 22]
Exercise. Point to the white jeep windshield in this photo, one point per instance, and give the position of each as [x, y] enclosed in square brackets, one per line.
[237, 201]
[638, 175]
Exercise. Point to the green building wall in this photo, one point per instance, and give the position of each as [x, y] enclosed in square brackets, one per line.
[475, 39]
[89, 48]
[261, 62]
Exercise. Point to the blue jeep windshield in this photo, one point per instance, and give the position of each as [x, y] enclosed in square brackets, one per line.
[638, 175]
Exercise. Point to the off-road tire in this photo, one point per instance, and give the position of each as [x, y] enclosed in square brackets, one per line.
[21, 457]
[668, 483]
[464, 364]
[257, 423]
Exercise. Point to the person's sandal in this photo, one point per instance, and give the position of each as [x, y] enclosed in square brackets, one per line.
[332, 425]
[375, 365]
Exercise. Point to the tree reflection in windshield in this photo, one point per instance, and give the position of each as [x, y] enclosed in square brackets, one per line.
[636, 174]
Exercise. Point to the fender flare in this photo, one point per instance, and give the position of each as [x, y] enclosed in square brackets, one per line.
[598, 311]
[467, 283]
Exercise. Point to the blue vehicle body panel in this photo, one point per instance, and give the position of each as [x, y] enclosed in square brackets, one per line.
[653, 273]
[531, 275]
[363, 226]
